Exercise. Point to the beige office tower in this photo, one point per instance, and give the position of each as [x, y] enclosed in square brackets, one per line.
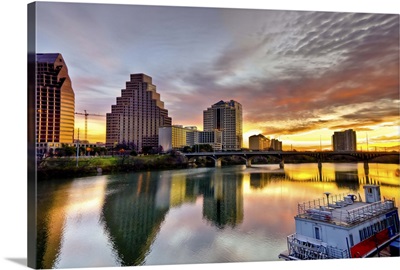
[226, 117]
[259, 142]
[137, 115]
[55, 103]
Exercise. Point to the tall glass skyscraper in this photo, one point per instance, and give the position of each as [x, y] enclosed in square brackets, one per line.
[138, 113]
[228, 118]
[55, 103]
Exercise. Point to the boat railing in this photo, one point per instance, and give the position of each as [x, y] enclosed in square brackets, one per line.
[337, 253]
[306, 248]
[369, 210]
[323, 204]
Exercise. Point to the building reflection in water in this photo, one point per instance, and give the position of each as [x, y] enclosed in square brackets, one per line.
[223, 200]
[133, 215]
[51, 201]
[346, 177]
[261, 180]
[68, 227]
[135, 208]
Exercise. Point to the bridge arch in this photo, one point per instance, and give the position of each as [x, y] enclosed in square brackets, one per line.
[277, 159]
[202, 159]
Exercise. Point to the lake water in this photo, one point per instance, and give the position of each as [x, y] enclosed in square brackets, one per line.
[201, 215]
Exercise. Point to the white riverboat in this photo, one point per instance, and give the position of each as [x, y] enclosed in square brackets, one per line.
[343, 226]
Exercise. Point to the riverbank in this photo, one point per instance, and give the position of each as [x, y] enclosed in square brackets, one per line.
[66, 167]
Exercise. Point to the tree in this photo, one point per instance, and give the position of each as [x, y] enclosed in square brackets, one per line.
[120, 146]
[82, 150]
[206, 148]
[146, 149]
[187, 149]
[102, 151]
[202, 148]
[69, 150]
[65, 151]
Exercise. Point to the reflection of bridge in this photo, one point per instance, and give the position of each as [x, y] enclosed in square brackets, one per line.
[281, 155]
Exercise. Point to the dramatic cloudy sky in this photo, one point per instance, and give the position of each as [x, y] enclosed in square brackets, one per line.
[299, 75]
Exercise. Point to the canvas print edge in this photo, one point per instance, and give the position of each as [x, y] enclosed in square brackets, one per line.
[31, 141]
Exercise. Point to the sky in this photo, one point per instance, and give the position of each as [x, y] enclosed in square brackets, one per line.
[299, 75]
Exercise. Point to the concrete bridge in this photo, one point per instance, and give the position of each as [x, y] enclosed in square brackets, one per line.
[321, 156]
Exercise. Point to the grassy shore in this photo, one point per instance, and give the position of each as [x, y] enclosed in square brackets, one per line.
[65, 167]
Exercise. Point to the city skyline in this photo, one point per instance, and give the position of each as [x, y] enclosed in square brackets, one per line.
[300, 76]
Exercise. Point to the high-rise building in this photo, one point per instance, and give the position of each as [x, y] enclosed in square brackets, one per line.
[344, 140]
[55, 103]
[259, 142]
[137, 115]
[226, 117]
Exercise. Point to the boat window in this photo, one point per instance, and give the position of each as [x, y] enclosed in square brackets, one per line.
[369, 230]
[361, 235]
[383, 224]
[317, 233]
[351, 240]
[390, 221]
[377, 227]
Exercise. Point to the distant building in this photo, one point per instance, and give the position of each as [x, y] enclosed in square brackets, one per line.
[259, 142]
[176, 137]
[213, 138]
[55, 103]
[137, 115]
[173, 137]
[227, 118]
[344, 140]
[275, 145]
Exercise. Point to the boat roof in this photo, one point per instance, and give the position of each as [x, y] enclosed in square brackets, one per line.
[344, 212]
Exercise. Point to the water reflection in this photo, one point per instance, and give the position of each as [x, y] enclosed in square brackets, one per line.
[186, 216]
[223, 200]
[68, 224]
[261, 180]
[133, 216]
[50, 222]
[135, 206]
